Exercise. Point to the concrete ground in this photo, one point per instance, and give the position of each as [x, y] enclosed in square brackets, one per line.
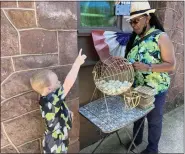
[171, 139]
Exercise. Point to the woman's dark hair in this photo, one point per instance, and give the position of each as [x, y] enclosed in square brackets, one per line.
[153, 22]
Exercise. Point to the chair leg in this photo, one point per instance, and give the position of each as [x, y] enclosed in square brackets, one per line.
[100, 142]
[132, 143]
[119, 138]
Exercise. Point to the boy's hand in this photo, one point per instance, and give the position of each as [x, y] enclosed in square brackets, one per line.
[81, 58]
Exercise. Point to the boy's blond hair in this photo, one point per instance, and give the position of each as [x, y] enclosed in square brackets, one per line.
[41, 80]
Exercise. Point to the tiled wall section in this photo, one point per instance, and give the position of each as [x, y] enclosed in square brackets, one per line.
[34, 36]
[171, 15]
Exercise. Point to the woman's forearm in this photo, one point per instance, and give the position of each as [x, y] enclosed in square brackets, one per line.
[164, 67]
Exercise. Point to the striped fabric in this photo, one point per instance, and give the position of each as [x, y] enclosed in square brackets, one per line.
[109, 43]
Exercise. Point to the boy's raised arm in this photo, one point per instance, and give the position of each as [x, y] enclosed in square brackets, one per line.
[72, 75]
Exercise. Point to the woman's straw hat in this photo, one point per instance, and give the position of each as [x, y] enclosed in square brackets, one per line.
[139, 8]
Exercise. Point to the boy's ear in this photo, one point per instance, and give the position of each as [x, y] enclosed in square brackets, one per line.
[49, 89]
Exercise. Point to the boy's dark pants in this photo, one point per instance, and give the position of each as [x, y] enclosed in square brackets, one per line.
[154, 124]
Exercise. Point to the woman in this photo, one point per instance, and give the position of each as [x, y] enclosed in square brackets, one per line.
[152, 55]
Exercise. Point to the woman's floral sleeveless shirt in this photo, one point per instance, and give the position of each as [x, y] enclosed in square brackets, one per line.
[148, 52]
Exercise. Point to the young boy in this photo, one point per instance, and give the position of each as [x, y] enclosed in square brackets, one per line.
[58, 118]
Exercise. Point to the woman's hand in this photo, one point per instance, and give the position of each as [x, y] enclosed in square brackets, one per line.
[140, 66]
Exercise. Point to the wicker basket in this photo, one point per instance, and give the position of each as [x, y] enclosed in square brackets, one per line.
[131, 99]
[145, 91]
[146, 102]
[113, 76]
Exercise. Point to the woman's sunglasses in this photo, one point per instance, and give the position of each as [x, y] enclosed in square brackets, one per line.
[135, 21]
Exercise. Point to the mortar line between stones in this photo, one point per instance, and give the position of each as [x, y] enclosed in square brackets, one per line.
[13, 64]
[3, 97]
[20, 115]
[179, 66]
[25, 9]
[35, 8]
[181, 73]
[19, 39]
[15, 96]
[43, 68]
[175, 86]
[15, 29]
[33, 70]
[39, 28]
[168, 29]
[175, 96]
[17, 3]
[167, 9]
[9, 19]
[58, 49]
[74, 141]
[29, 142]
[172, 74]
[40, 143]
[30, 55]
[68, 101]
[7, 78]
[9, 138]
[5, 146]
[177, 43]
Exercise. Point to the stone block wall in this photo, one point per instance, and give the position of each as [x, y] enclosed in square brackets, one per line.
[34, 36]
[171, 15]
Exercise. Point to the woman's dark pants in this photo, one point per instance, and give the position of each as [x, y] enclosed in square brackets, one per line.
[154, 124]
